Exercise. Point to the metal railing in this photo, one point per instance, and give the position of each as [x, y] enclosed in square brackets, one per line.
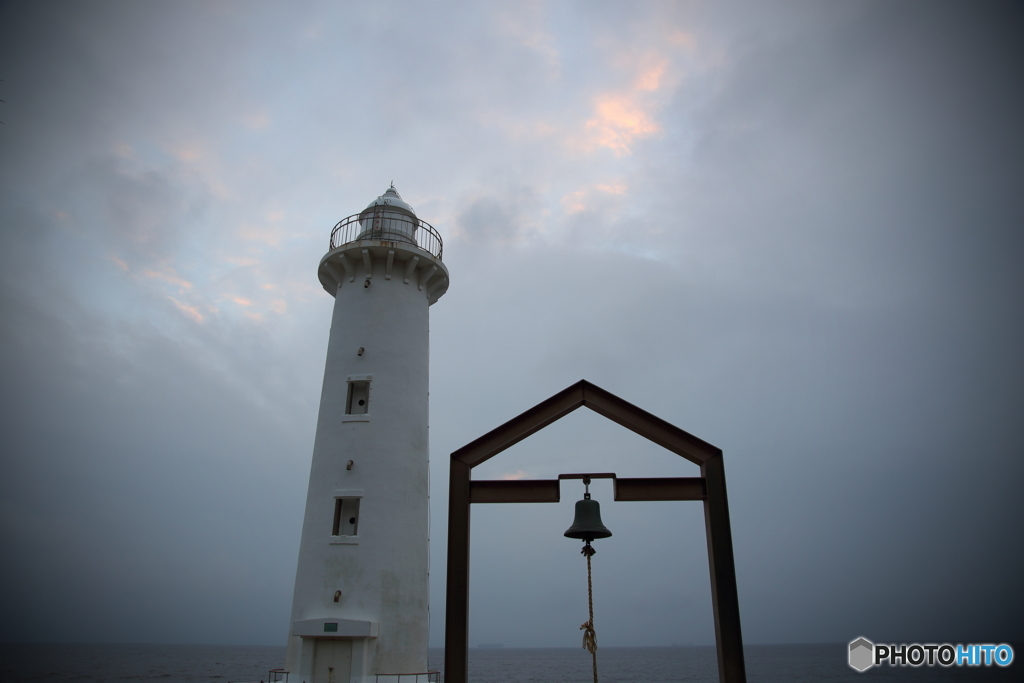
[432, 676]
[387, 226]
[273, 676]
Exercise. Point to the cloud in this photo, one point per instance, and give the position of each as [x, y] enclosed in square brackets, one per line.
[268, 235]
[630, 114]
[612, 188]
[168, 275]
[188, 153]
[683, 39]
[527, 26]
[619, 121]
[573, 202]
[256, 121]
[584, 199]
[242, 261]
[510, 217]
[191, 311]
[651, 77]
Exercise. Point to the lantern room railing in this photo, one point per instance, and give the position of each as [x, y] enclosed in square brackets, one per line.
[390, 227]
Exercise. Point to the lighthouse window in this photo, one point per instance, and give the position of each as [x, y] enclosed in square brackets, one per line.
[346, 517]
[358, 401]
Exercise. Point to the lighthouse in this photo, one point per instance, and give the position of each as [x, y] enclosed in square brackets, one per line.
[360, 607]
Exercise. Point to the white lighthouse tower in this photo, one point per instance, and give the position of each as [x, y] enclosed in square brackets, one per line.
[361, 590]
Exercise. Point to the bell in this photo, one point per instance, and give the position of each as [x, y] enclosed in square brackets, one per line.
[587, 526]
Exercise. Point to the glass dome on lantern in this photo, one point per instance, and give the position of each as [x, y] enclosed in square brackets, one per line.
[388, 218]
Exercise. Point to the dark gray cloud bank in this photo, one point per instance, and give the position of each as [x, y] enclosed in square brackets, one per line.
[794, 230]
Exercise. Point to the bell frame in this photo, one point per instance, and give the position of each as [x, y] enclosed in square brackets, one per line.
[709, 488]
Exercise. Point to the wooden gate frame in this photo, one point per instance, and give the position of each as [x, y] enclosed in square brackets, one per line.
[709, 487]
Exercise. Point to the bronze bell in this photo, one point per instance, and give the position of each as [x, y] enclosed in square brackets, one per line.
[587, 526]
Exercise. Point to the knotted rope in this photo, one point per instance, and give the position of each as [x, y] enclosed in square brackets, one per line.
[589, 635]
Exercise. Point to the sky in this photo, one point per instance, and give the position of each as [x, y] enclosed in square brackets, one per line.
[795, 230]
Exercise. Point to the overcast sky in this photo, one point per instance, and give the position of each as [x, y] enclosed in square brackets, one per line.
[793, 230]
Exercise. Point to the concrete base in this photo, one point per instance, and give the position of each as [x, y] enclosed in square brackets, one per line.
[332, 660]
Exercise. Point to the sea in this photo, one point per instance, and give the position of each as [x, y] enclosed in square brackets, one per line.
[105, 663]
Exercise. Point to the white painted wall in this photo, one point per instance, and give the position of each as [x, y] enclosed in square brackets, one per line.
[382, 572]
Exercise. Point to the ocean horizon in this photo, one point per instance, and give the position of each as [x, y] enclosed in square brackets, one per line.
[110, 663]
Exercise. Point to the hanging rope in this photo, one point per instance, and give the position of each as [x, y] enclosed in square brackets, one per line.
[589, 635]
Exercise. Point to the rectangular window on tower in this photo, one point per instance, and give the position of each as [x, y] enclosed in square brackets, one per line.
[358, 400]
[346, 517]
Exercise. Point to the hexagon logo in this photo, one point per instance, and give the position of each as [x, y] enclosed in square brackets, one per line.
[862, 654]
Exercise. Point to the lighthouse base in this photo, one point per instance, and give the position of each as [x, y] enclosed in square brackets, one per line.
[332, 660]
[332, 650]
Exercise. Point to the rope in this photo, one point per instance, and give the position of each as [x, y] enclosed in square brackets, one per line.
[589, 635]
